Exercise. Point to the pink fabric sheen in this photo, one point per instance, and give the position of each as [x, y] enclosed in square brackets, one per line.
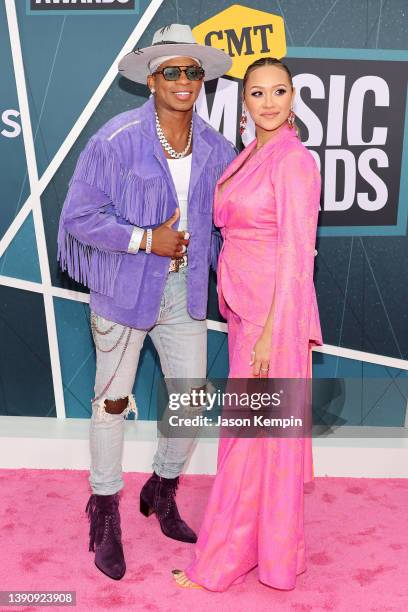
[254, 516]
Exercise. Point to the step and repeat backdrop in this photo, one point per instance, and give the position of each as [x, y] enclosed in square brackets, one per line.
[59, 84]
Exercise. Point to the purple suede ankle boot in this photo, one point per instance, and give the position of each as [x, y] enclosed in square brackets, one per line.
[105, 536]
[158, 495]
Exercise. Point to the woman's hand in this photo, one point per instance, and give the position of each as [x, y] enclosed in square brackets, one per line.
[260, 356]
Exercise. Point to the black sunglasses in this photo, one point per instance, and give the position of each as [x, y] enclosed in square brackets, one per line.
[173, 73]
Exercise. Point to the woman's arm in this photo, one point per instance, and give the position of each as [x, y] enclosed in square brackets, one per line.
[262, 349]
[283, 344]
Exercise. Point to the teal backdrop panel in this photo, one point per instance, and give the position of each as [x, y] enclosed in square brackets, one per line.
[21, 258]
[356, 393]
[14, 190]
[26, 387]
[65, 58]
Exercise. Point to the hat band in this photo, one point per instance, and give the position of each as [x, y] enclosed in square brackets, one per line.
[157, 61]
[172, 42]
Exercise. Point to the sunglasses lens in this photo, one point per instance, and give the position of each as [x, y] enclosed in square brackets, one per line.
[194, 74]
[171, 73]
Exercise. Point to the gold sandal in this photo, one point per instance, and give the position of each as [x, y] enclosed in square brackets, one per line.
[184, 582]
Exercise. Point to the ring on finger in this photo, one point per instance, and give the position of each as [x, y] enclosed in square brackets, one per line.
[264, 369]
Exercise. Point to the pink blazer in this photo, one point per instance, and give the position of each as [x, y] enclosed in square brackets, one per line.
[268, 214]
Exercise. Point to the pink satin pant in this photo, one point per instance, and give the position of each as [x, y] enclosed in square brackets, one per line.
[254, 515]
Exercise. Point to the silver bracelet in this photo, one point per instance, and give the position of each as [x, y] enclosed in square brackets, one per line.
[149, 238]
[135, 240]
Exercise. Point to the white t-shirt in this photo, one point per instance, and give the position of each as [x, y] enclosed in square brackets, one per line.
[180, 170]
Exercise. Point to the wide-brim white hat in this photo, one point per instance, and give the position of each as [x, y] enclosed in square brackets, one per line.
[174, 40]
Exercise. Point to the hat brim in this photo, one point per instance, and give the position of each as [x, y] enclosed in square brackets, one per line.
[135, 65]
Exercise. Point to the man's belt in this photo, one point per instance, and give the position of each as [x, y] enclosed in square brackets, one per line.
[176, 264]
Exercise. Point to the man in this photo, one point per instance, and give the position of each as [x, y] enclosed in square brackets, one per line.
[146, 177]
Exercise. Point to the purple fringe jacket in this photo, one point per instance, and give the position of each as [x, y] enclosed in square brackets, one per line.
[121, 180]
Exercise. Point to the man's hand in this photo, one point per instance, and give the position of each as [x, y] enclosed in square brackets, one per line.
[166, 241]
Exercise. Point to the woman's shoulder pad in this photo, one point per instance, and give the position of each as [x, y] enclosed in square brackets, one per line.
[295, 152]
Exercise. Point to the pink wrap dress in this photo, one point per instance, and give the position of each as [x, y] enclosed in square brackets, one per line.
[267, 213]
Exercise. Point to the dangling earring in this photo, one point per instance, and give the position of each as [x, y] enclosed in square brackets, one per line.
[243, 121]
[291, 118]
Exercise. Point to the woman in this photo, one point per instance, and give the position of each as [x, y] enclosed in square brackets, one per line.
[266, 204]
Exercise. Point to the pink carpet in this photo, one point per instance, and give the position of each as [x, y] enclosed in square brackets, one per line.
[356, 536]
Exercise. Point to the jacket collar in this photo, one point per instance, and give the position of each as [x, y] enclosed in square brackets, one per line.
[255, 161]
[284, 133]
[149, 125]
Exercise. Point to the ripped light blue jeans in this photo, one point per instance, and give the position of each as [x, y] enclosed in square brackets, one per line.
[181, 343]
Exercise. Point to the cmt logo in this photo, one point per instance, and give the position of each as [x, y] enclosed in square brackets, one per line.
[261, 34]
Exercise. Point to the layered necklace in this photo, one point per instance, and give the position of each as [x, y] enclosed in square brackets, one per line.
[165, 143]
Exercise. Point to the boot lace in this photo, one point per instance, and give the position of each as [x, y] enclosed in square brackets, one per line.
[99, 529]
[171, 493]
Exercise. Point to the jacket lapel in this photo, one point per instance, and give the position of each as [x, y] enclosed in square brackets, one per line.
[201, 153]
[239, 162]
[236, 163]
[244, 166]
[149, 131]
[161, 158]
[201, 150]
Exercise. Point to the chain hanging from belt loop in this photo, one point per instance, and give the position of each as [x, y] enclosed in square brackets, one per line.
[100, 332]
[95, 332]
[129, 330]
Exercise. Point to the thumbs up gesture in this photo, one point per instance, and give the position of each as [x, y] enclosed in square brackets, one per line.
[167, 241]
